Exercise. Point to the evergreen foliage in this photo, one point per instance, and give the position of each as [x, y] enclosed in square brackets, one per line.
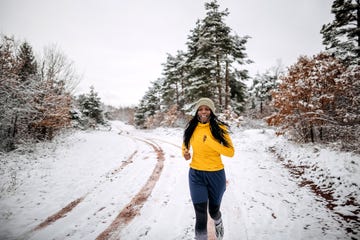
[26, 61]
[149, 104]
[173, 88]
[16, 95]
[342, 36]
[209, 68]
[90, 107]
[261, 89]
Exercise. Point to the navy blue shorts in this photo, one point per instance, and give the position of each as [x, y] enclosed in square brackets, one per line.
[207, 186]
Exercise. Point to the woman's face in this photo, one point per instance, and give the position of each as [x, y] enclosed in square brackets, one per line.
[204, 114]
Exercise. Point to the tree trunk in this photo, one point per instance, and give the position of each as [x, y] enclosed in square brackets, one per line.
[321, 133]
[218, 80]
[312, 134]
[358, 26]
[14, 128]
[227, 83]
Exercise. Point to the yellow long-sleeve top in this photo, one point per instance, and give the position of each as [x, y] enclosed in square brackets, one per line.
[207, 150]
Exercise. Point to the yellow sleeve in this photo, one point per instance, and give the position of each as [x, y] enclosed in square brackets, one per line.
[221, 149]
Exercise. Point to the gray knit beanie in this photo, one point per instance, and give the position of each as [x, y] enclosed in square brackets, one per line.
[207, 102]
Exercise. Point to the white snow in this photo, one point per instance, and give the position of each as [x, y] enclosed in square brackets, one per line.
[105, 169]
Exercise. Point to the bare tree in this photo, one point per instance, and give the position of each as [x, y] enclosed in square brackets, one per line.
[59, 70]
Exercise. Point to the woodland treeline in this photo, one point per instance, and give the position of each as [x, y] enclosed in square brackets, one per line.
[37, 95]
[314, 100]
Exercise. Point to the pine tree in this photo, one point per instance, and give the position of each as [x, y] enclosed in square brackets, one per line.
[8, 93]
[238, 94]
[209, 68]
[200, 77]
[90, 105]
[150, 104]
[26, 61]
[139, 116]
[263, 85]
[174, 86]
[342, 36]
[18, 88]
[212, 50]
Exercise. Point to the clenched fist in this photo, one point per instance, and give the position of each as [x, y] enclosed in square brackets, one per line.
[187, 155]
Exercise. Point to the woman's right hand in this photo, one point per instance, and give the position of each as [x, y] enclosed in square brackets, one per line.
[187, 155]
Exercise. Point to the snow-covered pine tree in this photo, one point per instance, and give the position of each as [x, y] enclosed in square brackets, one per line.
[263, 84]
[90, 106]
[29, 87]
[174, 85]
[9, 82]
[209, 68]
[342, 35]
[261, 89]
[26, 61]
[238, 91]
[19, 85]
[200, 77]
[235, 75]
[149, 105]
[213, 52]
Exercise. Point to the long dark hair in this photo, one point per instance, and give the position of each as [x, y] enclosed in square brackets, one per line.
[215, 129]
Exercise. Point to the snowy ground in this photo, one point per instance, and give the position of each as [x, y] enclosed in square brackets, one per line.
[130, 184]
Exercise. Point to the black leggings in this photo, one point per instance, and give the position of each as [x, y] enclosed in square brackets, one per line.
[201, 216]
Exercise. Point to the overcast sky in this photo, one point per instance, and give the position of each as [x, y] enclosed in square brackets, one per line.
[118, 46]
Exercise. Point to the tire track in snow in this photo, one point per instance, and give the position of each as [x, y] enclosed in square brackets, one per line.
[60, 214]
[132, 209]
[69, 207]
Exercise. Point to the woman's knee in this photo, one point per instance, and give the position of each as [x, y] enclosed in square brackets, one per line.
[214, 211]
[201, 215]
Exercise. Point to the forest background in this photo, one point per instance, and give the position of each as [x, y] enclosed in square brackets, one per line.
[314, 100]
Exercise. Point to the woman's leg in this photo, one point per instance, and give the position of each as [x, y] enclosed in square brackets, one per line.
[201, 221]
[199, 197]
[214, 211]
[217, 187]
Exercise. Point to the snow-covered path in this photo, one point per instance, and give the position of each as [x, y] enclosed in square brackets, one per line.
[268, 201]
[130, 184]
